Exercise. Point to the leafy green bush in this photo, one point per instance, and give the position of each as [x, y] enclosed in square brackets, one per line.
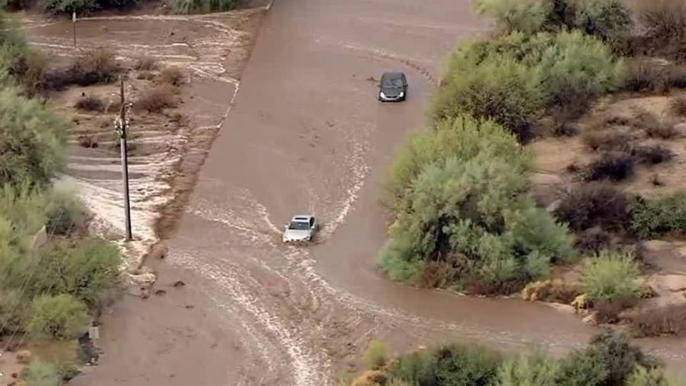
[42, 374]
[659, 216]
[528, 371]
[60, 317]
[32, 140]
[647, 377]
[510, 80]
[418, 368]
[85, 7]
[202, 6]
[498, 88]
[12, 312]
[619, 356]
[605, 19]
[463, 137]
[85, 269]
[583, 368]
[466, 365]
[611, 275]
[375, 355]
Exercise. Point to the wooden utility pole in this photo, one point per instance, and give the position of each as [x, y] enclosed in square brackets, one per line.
[121, 126]
[73, 22]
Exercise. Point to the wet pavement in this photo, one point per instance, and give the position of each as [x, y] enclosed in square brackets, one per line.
[306, 134]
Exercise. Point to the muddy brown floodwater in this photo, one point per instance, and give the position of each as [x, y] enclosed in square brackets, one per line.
[306, 134]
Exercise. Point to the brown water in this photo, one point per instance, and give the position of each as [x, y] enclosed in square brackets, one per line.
[306, 135]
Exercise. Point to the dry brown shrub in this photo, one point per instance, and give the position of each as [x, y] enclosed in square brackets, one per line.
[594, 205]
[670, 320]
[663, 19]
[371, 378]
[677, 76]
[607, 140]
[24, 357]
[145, 75]
[613, 166]
[96, 66]
[158, 98]
[172, 75]
[609, 310]
[90, 103]
[594, 240]
[652, 154]
[677, 105]
[146, 63]
[88, 141]
[551, 291]
[655, 127]
[436, 274]
[645, 75]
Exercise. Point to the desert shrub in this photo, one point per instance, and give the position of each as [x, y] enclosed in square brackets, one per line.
[81, 7]
[499, 89]
[172, 75]
[583, 368]
[551, 291]
[611, 275]
[620, 357]
[463, 137]
[607, 140]
[595, 204]
[32, 140]
[156, 99]
[12, 312]
[62, 210]
[663, 19]
[659, 216]
[645, 75]
[466, 365]
[375, 355]
[93, 67]
[371, 378]
[42, 374]
[613, 166]
[436, 274]
[60, 317]
[607, 311]
[418, 368]
[90, 103]
[201, 6]
[89, 141]
[677, 76]
[575, 69]
[669, 320]
[652, 154]
[677, 105]
[656, 127]
[604, 19]
[594, 240]
[528, 370]
[146, 63]
[471, 211]
[647, 377]
[84, 269]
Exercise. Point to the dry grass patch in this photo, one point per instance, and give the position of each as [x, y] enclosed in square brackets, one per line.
[652, 154]
[677, 106]
[654, 126]
[613, 166]
[88, 141]
[607, 140]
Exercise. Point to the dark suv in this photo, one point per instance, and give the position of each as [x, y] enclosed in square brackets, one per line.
[393, 87]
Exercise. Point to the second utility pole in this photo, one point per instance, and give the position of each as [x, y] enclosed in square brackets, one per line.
[122, 127]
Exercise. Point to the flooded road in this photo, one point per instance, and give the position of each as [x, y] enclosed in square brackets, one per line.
[306, 135]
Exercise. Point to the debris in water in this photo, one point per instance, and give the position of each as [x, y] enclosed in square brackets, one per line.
[189, 306]
[160, 292]
[179, 283]
[372, 79]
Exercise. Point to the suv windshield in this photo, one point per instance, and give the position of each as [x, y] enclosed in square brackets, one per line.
[299, 225]
[391, 82]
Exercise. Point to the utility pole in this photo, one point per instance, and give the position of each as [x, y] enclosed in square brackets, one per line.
[121, 126]
[73, 22]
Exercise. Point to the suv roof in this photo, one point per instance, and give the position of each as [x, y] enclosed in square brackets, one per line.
[303, 217]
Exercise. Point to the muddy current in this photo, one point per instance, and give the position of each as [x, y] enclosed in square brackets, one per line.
[286, 101]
